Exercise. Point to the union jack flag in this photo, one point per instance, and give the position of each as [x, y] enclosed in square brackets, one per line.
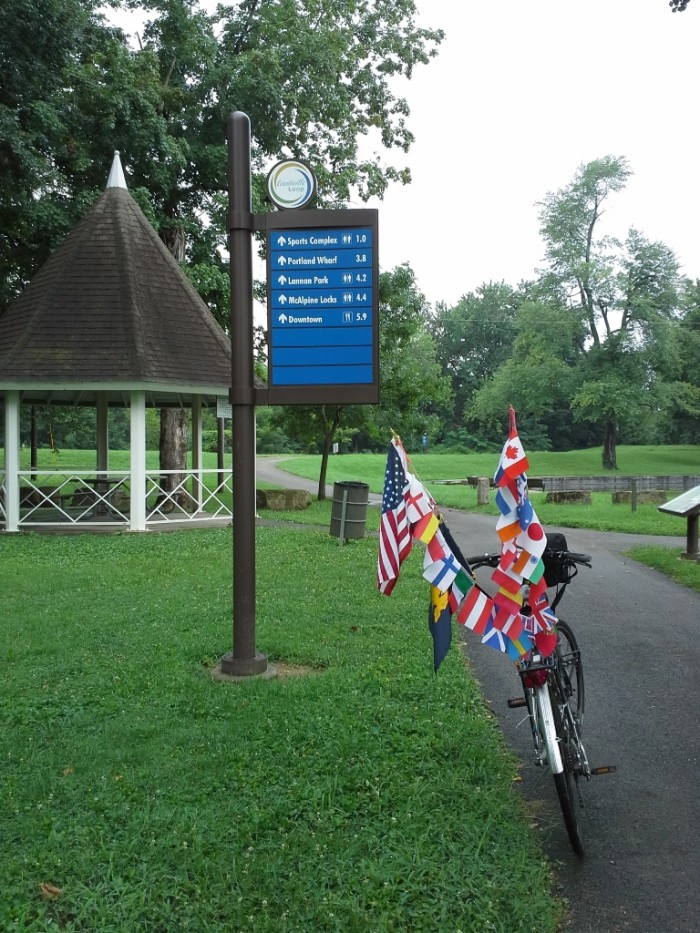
[542, 611]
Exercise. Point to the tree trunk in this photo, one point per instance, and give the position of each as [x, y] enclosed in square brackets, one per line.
[330, 426]
[173, 454]
[609, 446]
[173, 431]
[327, 441]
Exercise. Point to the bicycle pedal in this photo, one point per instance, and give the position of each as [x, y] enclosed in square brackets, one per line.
[516, 702]
[604, 769]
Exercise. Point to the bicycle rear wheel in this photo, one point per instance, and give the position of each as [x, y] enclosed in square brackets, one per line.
[571, 671]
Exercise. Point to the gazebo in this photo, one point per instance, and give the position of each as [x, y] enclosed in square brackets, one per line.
[111, 320]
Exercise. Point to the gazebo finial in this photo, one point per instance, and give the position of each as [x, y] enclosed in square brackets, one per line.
[116, 175]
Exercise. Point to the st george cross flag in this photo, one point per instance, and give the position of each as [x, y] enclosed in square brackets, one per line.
[419, 502]
[394, 529]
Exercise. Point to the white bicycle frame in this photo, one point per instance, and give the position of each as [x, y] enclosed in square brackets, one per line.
[545, 725]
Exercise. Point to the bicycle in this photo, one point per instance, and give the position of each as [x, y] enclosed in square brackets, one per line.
[553, 691]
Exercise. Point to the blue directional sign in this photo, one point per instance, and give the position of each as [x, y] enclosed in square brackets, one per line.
[322, 306]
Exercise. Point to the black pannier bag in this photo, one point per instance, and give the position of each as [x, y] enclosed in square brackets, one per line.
[557, 570]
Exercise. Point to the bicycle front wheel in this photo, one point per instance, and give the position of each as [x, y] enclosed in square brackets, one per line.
[567, 780]
[570, 808]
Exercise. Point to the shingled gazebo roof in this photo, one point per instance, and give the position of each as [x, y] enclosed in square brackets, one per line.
[111, 311]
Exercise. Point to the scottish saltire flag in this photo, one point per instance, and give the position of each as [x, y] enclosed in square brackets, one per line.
[440, 625]
[394, 529]
[493, 638]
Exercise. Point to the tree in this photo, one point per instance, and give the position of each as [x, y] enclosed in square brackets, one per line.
[474, 338]
[538, 377]
[313, 78]
[624, 294]
[677, 6]
[680, 400]
[43, 48]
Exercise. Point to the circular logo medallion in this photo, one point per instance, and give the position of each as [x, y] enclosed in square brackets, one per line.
[291, 184]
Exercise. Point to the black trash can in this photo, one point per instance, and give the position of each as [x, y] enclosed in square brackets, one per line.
[349, 511]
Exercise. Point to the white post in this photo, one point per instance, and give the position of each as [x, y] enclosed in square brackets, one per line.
[197, 450]
[11, 461]
[138, 461]
[102, 433]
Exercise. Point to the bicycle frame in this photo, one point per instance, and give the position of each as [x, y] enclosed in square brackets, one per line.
[554, 697]
[543, 729]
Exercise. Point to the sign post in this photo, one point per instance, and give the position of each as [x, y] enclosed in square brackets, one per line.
[243, 659]
[323, 333]
[322, 306]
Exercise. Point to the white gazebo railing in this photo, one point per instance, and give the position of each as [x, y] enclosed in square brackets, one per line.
[105, 497]
[189, 499]
[2, 499]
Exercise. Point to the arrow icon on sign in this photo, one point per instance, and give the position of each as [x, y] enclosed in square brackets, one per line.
[283, 261]
[283, 299]
[282, 241]
[282, 280]
[283, 318]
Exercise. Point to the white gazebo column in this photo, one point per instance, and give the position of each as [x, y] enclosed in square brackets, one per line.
[197, 450]
[11, 461]
[138, 461]
[102, 432]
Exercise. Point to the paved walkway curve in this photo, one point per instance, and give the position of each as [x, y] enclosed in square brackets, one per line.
[640, 638]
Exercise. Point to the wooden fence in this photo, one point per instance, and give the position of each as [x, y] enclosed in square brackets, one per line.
[612, 483]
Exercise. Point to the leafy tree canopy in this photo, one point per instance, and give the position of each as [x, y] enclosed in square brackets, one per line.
[315, 79]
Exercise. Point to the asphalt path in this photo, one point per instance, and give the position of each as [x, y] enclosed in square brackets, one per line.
[639, 635]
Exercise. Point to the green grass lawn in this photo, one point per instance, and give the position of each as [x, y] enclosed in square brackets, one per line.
[601, 515]
[632, 461]
[144, 795]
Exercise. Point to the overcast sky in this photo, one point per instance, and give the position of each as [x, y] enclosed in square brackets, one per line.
[522, 93]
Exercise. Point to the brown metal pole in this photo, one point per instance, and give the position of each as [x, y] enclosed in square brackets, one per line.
[691, 539]
[243, 660]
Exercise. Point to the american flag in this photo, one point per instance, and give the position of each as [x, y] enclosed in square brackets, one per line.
[394, 530]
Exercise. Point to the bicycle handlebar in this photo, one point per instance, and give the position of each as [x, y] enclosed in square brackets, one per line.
[492, 560]
[484, 560]
[585, 559]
